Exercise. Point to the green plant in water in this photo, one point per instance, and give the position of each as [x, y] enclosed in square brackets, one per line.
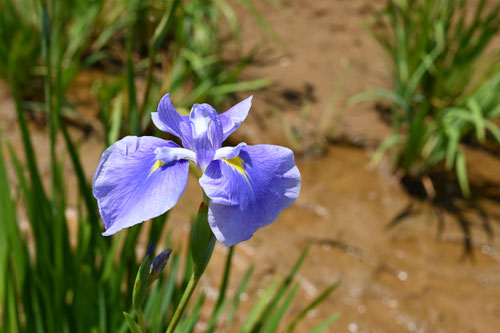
[445, 81]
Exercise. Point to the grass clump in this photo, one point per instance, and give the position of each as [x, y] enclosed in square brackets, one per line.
[444, 65]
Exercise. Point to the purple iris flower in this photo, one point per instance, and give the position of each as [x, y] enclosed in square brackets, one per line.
[139, 178]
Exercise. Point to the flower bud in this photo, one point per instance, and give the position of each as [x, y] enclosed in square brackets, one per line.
[158, 265]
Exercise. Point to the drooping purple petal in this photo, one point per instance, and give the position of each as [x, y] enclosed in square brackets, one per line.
[249, 191]
[131, 186]
[167, 119]
[207, 133]
[232, 118]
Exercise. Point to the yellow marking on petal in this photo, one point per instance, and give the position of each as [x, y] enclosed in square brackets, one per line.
[156, 166]
[238, 165]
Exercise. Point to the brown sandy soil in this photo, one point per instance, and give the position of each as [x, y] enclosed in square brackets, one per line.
[403, 279]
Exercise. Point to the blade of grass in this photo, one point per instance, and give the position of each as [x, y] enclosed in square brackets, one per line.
[461, 168]
[273, 323]
[166, 298]
[212, 325]
[237, 296]
[134, 327]
[225, 279]
[315, 302]
[282, 289]
[327, 322]
[187, 325]
[259, 308]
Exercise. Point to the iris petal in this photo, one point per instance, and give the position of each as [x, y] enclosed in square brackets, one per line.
[207, 133]
[229, 152]
[232, 118]
[169, 154]
[249, 191]
[132, 186]
[167, 119]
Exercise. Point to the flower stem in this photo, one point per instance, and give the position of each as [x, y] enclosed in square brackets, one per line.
[193, 281]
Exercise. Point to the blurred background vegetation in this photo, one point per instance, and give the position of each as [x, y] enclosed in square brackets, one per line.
[444, 63]
[445, 72]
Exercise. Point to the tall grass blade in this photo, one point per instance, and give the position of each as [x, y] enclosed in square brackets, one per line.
[273, 323]
[321, 327]
[133, 326]
[237, 296]
[282, 289]
[259, 308]
[318, 300]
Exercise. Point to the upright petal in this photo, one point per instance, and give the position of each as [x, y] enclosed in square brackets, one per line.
[207, 133]
[249, 191]
[167, 119]
[232, 118]
[132, 186]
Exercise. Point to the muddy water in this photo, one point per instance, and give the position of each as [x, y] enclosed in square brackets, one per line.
[392, 281]
[408, 278]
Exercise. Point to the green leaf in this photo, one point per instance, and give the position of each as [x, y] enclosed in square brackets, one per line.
[259, 308]
[477, 116]
[202, 241]
[134, 327]
[189, 322]
[164, 26]
[284, 286]
[230, 88]
[222, 300]
[327, 322]
[142, 281]
[382, 148]
[116, 119]
[452, 147]
[318, 300]
[163, 300]
[212, 325]
[461, 168]
[237, 296]
[273, 322]
[494, 129]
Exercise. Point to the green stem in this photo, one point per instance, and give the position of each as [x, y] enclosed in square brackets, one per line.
[193, 281]
[225, 279]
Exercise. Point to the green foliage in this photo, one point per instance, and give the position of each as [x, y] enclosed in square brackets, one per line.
[53, 279]
[445, 81]
[171, 46]
[20, 41]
